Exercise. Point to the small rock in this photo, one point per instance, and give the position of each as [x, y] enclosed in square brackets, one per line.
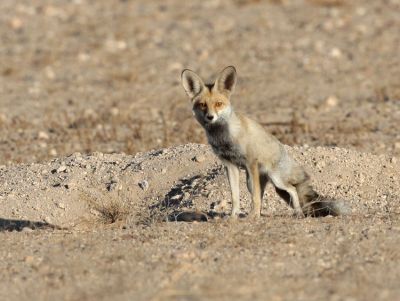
[111, 185]
[43, 135]
[29, 259]
[144, 185]
[361, 11]
[50, 72]
[177, 197]
[62, 168]
[83, 57]
[61, 205]
[199, 158]
[321, 164]
[332, 101]
[175, 66]
[115, 45]
[16, 23]
[335, 53]
[90, 114]
[114, 111]
[27, 229]
[164, 171]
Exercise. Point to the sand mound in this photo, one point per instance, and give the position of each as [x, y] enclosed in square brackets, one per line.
[150, 186]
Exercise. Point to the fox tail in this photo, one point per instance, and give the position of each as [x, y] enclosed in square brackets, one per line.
[312, 203]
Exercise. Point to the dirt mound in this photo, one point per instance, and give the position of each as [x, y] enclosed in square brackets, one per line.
[158, 184]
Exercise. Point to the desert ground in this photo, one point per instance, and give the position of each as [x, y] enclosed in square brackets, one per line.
[102, 162]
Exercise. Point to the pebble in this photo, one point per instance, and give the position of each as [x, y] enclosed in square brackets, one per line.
[332, 101]
[115, 45]
[16, 23]
[29, 259]
[43, 135]
[199, 158]
[335, 53]
[50, 72]
[176, 197]
[144, 185]
[62, 168]
[175, 66]
[114, 111]
[83, 57]
[27, 229]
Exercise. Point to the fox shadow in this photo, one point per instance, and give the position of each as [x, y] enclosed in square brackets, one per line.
[18, 225]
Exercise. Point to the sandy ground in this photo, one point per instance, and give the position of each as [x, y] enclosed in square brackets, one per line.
[89, 227]
[92, 179]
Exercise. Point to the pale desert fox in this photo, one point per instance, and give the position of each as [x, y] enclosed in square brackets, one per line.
[243, 143]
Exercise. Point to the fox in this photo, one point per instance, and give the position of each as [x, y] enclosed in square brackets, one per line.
[242, 143]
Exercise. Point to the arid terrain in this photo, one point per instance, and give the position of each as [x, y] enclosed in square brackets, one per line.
[101, 159]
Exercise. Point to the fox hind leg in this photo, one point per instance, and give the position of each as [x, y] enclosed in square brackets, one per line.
[291, 190]
[263, 182]
[253, 183]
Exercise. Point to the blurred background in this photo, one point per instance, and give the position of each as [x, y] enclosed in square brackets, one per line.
[104, 75]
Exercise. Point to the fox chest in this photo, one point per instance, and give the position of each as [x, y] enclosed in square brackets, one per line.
[224, 147]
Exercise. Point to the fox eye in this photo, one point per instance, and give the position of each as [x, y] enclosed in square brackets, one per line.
[202, 105]
[218, 104]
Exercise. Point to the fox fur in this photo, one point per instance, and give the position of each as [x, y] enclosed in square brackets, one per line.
[242, 143]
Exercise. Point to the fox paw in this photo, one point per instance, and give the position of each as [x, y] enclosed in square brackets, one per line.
[299, 214]
[254, 214]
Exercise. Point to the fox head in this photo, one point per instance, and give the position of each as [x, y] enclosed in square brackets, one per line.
[211, 102]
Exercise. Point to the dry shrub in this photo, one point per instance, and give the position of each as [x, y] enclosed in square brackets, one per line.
[110, 207]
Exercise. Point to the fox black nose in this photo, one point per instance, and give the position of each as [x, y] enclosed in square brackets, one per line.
[210, 117]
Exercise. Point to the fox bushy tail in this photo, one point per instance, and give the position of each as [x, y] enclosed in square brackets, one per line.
[312, 203]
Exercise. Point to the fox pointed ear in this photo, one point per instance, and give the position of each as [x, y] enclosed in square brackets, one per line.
[226, 80]
[191, 82]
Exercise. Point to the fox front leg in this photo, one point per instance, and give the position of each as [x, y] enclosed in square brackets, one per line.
[233, 177]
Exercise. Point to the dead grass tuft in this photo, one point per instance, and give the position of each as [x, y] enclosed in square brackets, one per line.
[109, 208]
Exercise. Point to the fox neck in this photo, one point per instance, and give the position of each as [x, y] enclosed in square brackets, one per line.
[221, 138]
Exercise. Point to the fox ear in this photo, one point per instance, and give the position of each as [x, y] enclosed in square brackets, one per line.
[191, 82]
[226, 80]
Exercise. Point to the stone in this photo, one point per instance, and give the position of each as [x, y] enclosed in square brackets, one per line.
[144, 185]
